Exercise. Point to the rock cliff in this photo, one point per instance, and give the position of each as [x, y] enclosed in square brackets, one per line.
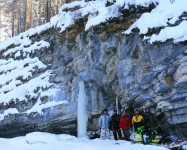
[112, 65]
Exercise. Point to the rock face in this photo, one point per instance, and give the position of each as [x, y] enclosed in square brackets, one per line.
[112, 65]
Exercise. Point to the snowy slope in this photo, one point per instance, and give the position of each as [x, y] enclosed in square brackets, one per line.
[17, 81]
[16, 72]
[41, 141]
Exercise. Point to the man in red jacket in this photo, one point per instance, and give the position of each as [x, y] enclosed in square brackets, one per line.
[124, 124]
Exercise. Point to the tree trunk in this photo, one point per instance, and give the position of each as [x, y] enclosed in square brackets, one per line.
[29, 15]
[13, 22]
[25, 16]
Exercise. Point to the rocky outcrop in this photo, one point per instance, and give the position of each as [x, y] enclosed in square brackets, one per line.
[112, 65]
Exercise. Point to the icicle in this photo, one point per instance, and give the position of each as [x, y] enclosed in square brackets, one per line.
[82, 114]
[117, 104]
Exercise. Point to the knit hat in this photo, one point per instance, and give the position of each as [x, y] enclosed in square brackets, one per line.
[124, 111]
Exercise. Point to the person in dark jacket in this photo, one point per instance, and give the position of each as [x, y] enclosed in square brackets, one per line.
[114, 125]
[149, 125]
[149, 122]
[125, 124]
[137, 119]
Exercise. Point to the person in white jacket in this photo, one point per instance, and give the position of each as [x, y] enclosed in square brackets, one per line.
[104, 121]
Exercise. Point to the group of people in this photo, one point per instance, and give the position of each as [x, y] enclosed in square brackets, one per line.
[122, 123]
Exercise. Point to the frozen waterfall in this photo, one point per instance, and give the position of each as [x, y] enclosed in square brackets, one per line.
[117, 107]
[82, 114]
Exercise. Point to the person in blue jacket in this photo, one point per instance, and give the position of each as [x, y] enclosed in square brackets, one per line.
[104, 121]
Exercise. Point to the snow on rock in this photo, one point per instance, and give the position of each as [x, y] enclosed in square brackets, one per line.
[97, 12]
[8, 112]
[17, 81]
[178, 33]
[38, 107]
[166, 13]
[23, 38]
[30, 49]
[12, 87]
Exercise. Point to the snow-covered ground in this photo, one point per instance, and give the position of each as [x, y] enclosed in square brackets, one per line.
[46, 141]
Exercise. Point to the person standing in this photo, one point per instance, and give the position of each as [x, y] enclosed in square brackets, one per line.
[125, 124]
[149, 126]
[114, 125]
[137, 119]
[149, 121]
[104, 121]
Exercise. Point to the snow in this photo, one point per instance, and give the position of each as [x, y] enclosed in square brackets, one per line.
[17, 81]
[178, 33]
[38, 107]
[47, 141]
[185, 147]
[166, 13]
[44, 137]
[97, 12]
[8, 112]
[82, 113]
[23, 38]
[15, 89]
[17, 66]
[30, 49]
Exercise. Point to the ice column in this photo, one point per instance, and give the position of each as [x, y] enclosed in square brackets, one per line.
[82, 114]
[117, 104]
